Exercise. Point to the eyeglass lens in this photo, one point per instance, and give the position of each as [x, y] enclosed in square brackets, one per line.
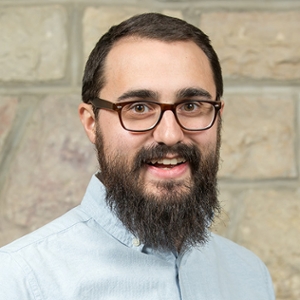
[194, 115]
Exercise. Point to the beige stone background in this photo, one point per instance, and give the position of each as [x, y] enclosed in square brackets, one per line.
[46, 161]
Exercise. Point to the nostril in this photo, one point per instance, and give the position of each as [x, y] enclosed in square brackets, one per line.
[168, 131]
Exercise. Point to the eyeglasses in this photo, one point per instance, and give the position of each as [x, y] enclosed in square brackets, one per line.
[140, 116]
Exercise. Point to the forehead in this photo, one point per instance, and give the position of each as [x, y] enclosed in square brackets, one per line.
[164, 67]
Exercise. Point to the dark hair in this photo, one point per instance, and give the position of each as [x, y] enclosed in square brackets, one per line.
[152, 26]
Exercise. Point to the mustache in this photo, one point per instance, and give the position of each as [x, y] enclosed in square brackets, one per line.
[188, 152]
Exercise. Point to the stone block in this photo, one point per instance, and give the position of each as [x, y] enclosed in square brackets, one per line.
[173, 13]
[256, 44]
[8, 110]
[97, 21]
[228, 219]
[266, 221]
[259, 137]
[270, 227]
[52, 167]
[9, 231]
[33, 43]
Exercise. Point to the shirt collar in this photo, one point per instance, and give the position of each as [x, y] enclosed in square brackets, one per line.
[95, 205]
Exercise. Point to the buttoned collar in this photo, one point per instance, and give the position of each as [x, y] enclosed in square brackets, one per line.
[95, 205]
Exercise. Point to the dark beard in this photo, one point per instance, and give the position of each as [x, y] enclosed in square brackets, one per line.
[176, 219]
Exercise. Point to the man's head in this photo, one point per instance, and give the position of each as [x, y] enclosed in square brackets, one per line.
[149, 26]
[158, 160]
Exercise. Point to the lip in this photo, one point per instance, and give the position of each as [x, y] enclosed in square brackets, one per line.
[175, 172]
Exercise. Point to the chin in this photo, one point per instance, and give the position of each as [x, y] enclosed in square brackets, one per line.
[163, 188]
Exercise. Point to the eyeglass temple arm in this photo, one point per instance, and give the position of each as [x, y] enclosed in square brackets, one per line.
[100, 103]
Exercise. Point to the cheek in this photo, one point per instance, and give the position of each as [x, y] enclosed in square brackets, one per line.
[206, 140]
[111, 128]
[118, 140]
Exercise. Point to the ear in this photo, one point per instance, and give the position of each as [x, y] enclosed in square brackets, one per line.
[222, 108]
[88, 120]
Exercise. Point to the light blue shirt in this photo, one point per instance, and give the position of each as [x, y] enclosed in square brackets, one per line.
[88, 254]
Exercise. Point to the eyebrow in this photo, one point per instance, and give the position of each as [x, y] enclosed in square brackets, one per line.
[193, 92]
[141, 94]
[149, 94]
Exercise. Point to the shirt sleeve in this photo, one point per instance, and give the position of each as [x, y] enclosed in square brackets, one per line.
[16, 282]
[269, 283]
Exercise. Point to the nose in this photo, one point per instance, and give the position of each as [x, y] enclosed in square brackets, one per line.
[168, 131]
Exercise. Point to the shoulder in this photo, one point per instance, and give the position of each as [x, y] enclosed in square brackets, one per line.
[238, 264]
[239, 273]
[20, 258]
[229, 248]
[223, 256]
[232, 254]
[60, 225]
[16, 282]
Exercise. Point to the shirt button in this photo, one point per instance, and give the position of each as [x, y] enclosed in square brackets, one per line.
[136, 242]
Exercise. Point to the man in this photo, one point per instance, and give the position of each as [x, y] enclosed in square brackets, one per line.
[152, 106]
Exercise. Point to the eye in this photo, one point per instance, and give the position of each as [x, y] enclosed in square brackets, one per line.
[195, 108]
[139, 108]
[190, 106]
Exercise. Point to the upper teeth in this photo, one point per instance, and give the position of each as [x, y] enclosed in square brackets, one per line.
[168, 161]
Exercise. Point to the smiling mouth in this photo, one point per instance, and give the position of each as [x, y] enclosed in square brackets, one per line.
[166, 162]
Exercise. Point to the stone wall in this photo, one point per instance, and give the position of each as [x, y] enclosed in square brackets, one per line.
[46, 160]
